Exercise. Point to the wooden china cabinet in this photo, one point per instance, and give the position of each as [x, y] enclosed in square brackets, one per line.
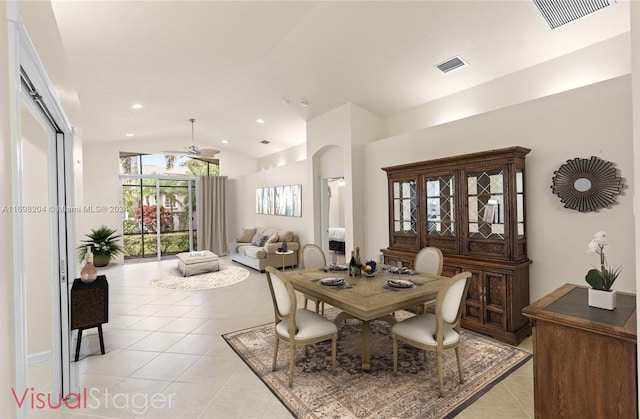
[472, 207]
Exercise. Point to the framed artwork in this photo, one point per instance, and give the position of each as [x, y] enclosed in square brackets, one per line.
[279, 200]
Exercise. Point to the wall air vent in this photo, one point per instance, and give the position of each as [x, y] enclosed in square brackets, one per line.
[451, 64]
[265, 142]
[560, 12]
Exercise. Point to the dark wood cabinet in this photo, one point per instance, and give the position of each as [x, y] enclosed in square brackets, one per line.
[584, 358]
[472, 207]
[89, 308]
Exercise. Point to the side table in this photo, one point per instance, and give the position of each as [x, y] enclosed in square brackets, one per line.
[89, 308]
[584, 358]
[286, 252]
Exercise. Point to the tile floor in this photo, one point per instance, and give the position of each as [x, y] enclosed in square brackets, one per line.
[165, 357]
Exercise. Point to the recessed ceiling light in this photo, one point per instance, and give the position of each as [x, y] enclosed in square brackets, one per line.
[225, 142]
[260, 121]
[265, 142]
[136, 106]
[129, 134]
[304, 102]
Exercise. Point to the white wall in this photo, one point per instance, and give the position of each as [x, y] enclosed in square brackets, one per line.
[349, 127]
[292, 174]
[593, 120]
[288, 156]
[602, 61]
[328, 134]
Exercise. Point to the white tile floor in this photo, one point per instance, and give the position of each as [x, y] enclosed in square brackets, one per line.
[165, 357]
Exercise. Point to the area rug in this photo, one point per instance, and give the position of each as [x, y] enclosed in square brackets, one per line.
[227, 275]
[351, 393]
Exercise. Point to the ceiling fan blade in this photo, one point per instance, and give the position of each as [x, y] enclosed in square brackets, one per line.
[193, 150]
[208, 152]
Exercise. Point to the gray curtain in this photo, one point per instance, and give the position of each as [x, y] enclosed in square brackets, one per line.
[212, 214]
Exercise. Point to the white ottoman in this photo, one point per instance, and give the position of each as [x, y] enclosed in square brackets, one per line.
[192, 263]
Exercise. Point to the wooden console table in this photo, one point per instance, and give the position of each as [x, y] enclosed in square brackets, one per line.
[89, 308]
[584, 358]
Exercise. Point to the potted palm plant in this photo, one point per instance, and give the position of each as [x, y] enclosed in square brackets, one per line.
[601, 280]
[104, 244]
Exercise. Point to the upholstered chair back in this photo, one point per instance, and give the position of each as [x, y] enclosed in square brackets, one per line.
[428, 261]
[281, 292]
[313, 257]
[452, 300]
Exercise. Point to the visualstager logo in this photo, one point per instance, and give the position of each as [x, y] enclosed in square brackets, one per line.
[91, 399]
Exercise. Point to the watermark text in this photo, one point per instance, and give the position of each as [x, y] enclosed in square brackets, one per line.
[90, 399]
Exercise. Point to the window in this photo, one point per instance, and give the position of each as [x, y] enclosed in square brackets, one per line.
[170, 203]
[161, 164]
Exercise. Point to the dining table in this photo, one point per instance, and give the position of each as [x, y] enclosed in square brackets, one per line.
[366, 298]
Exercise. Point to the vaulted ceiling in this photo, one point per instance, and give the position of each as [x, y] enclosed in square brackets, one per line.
[228, 64]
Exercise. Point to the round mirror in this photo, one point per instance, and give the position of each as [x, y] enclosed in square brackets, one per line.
[582, 184]
[587, 184]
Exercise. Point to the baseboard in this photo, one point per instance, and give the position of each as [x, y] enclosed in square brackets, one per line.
[40, 356]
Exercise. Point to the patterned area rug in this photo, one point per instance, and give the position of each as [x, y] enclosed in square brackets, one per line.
[227, 275]
[350, 393]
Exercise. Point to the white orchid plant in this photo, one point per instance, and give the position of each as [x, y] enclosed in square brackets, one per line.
[603, 278]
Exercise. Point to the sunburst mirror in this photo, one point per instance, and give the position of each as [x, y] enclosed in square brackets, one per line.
[587, 185]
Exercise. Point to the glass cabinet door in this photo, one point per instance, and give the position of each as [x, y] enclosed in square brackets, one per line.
[486, 204]
[405, 217]
[520, 202]
[440, 206]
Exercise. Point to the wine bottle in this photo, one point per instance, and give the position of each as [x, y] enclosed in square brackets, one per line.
[358, 264]
[352, 264]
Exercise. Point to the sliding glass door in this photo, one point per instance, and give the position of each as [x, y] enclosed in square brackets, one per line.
[159, 217]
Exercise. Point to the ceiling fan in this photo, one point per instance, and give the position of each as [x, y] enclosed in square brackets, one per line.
[193, 150]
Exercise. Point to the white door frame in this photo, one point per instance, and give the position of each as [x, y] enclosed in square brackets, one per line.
[324, 213]
[24, 58]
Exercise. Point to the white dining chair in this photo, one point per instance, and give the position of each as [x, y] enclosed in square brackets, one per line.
[428, 261]
[436, 332]
[296, 326]
[312, 257]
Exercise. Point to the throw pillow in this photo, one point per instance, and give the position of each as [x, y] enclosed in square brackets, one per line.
[273, 238]
[258, 240]
[247, 235]
[285, 235]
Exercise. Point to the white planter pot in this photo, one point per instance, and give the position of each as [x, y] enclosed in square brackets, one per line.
[602, 299]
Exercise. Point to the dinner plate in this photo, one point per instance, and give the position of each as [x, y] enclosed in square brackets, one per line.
[338, 268]
[402, 271]
[399, 283]
[331, 282]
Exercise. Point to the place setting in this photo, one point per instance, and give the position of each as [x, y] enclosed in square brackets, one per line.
[399, 284]
[400, 270]
[336, 268]
[335, 283]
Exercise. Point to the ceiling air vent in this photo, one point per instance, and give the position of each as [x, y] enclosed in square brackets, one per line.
[451, 64]
[560, 12]
[265, 142]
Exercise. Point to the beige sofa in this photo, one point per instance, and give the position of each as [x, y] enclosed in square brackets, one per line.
[249, 250]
